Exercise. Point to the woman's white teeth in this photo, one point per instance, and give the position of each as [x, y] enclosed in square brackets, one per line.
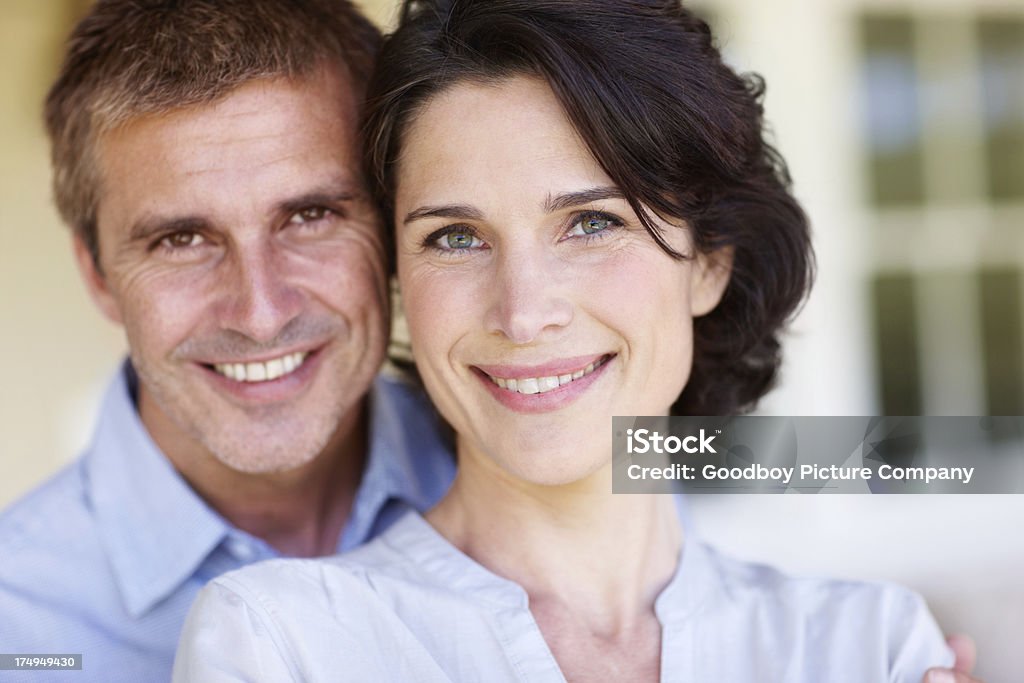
[540, 385]
[262, 372]
[528, 386]
[547, 384]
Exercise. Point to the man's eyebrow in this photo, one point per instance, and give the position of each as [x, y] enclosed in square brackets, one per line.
[148, 227]
[593, 194]
[461, 211]
[326, 198]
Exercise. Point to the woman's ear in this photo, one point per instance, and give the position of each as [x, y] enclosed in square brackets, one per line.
[708, 279]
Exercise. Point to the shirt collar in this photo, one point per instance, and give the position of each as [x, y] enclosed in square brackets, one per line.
[697, 582]
[408, 458]
[155, 529]
[693, 584]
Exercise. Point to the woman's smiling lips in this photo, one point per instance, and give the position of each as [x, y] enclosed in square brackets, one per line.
[544, 387]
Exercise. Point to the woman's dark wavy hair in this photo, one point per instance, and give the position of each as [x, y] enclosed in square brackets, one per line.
[677, 131]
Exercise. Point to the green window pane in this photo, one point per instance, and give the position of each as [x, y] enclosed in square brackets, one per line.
[896, 344]
[892, 117]
[1002, 343]
[1001, 41]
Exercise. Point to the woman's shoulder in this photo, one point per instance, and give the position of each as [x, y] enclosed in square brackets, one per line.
[302, 619]
[879, 627]
[315, 581]
[743, 580]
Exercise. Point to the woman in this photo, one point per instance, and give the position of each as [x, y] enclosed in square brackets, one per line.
[587, 223]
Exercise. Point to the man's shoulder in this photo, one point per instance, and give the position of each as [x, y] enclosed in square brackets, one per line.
[55, 517]
[58, 515]
[49, 535]
[55, 571]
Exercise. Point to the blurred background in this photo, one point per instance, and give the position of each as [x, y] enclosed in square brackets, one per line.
[903, 125]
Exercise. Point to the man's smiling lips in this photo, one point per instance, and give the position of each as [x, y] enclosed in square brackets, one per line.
[277, 378]
[262, 371]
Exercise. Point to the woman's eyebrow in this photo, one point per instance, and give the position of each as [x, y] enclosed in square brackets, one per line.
[462, 211]
[553, 203]
[593, 194]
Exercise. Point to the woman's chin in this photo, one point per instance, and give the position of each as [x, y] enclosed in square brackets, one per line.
[557, 468]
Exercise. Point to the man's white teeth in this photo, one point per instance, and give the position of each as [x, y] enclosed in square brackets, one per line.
[262, 372]
[540, 385]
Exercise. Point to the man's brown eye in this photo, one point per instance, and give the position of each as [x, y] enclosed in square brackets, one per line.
[313, 213]
[184, 239]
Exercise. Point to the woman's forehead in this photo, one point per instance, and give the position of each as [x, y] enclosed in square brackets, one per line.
[509, 139]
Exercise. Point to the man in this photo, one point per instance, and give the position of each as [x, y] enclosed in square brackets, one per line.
[205, 156]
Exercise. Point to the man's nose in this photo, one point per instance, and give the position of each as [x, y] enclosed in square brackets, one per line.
[529, 300]
[261, 299]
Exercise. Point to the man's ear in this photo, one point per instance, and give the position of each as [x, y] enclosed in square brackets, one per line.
[95, 282]
[708, 279]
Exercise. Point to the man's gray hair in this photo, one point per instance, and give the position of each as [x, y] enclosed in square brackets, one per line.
[129, 58]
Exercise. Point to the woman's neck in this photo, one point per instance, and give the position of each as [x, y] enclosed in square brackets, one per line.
[577, 547]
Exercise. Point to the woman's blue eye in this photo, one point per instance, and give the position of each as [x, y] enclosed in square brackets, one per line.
[459, 240]
[453, 238]
[594, 224]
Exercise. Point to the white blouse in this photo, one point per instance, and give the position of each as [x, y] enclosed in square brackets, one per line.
[409, 606]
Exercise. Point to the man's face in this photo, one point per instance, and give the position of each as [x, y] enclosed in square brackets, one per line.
[240, 252]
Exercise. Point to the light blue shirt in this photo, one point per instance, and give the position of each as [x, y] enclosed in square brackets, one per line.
[409, 606]
[104, 559]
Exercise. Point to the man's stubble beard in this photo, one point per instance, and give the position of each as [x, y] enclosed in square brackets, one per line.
[250, 441]
[259, 439]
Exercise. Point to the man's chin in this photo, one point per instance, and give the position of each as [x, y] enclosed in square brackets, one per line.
[263, 449]
[266, 461]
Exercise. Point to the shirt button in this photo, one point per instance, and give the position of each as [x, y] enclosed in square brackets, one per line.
[241, 549]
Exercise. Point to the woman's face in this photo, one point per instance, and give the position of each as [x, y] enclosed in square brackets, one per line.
[537, 304]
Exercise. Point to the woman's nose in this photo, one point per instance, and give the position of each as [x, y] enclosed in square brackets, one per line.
[528, 300]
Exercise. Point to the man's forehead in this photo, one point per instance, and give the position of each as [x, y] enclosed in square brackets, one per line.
[329, 83]
[323, 95]
[268, 138]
